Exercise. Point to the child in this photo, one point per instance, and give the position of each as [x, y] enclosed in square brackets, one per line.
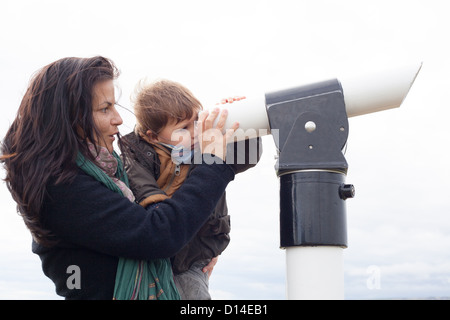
[158, 165]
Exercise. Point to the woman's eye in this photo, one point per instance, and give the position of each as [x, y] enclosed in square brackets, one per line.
[105, 109]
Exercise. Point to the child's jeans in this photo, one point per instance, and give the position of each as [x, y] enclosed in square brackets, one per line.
[193, 284]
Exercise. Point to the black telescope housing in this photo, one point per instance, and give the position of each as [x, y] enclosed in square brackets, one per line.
[312, 127]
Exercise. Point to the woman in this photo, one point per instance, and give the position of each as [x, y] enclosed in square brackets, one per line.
[81, 227]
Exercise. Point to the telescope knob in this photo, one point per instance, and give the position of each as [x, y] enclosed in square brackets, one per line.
[346, 191]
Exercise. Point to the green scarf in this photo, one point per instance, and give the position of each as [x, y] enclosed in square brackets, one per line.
[135, 279]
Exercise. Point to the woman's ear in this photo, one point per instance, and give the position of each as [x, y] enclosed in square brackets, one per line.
[153, 137]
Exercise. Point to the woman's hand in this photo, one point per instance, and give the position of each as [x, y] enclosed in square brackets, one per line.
[211, 139]
[210, 266]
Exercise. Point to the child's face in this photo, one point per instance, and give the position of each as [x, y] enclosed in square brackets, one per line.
[179, 134]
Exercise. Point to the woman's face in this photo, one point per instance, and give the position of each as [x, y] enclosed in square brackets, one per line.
[106, 117]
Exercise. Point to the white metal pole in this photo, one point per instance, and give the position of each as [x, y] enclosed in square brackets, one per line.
[315, 273]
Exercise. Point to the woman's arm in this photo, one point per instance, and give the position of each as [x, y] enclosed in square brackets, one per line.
[88, 214]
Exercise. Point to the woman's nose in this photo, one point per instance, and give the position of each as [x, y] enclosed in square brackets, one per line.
[116, 119]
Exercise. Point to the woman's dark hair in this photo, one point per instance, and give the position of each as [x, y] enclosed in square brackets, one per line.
[53, 123]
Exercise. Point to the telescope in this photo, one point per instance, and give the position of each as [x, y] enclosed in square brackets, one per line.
[310, 127]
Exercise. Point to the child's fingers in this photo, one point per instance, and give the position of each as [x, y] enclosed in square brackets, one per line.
[231, 99]
[238, 98]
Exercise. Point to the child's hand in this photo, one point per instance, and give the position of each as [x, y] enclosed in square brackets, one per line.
[230, 100]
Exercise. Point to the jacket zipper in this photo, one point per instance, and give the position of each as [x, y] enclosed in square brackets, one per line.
[176, 173]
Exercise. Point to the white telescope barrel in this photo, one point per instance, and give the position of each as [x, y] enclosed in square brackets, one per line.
[378, 91]
[250, 113]
[364, 94]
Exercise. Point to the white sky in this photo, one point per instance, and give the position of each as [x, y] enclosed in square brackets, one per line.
[398, 159]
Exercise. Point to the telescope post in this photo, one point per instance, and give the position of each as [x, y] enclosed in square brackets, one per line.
[312, 129]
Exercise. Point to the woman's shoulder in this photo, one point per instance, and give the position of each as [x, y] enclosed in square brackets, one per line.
[79, 182]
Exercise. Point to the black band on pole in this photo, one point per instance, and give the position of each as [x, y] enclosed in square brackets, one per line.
[312, 212]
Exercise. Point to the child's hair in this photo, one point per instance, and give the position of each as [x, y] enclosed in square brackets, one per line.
[159, 103]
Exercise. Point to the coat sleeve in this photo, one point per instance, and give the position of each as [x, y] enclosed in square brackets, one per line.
[88, 214]
[243, 155]
[143, 184]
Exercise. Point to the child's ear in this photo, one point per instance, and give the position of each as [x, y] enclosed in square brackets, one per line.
[153, 137]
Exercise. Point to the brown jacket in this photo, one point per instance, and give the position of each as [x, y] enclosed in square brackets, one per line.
[154, 177]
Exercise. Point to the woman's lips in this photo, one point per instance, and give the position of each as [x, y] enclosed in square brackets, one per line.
[113, 136]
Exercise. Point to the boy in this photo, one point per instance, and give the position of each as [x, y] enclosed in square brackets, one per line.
[158, 165]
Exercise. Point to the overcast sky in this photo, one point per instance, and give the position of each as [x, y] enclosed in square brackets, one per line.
[398, 223]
